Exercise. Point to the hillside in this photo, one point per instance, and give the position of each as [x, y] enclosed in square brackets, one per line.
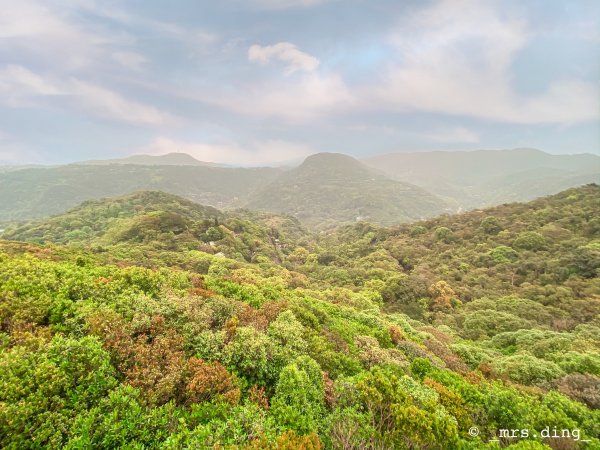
[118, 219]
[159, 222]
[361, 337]
[39, 192]
[488, 177]
[330, 188]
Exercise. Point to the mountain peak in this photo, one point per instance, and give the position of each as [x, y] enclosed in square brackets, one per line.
[334, 163]
[329, 157]
[168, 159]
[332, 188]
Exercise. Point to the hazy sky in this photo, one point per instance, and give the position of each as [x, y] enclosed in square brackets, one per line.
[257, 81]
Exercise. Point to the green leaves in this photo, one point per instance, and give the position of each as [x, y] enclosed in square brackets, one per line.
[298, 403]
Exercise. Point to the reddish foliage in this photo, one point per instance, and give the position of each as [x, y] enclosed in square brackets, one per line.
[486, 370]
[396, 334]
[201, 292]
[452, 361]
[210, 381]
[231, 328]
[329, 387]
[150, 358]
[261, 318]
[340, 344]
[257, 395]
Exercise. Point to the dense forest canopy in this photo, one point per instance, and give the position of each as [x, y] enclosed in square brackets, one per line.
[149, 321]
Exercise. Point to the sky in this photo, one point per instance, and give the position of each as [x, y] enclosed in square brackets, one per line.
[257, 82]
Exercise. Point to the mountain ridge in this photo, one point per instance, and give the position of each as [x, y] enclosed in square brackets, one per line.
[464, 177]
[167, 159]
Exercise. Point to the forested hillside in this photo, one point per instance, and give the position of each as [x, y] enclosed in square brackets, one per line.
[148, 321]
[331, 188]
[39, 192]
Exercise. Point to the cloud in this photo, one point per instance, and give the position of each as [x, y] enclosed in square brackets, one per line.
[456, 134]
[258, 153]
[296, 101]
[89, 35]
[287, 4]
[17, 82]
[40, 30]
[20, 87]
[108, 104]
[285, 52]
[456, 58]
[131, 60]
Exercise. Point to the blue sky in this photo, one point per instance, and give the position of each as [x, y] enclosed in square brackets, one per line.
[254, 82]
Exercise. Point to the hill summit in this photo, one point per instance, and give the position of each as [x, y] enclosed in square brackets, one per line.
[168, 159]
[330, 188]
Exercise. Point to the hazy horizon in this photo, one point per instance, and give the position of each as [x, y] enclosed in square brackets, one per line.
[291, 162]
[265, 82]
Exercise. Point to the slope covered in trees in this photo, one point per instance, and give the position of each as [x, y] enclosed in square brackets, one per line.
[163, 225]
[39, 192]
[361, 337]
[331, 188]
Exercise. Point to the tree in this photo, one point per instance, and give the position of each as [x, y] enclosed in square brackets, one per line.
[441, 296]
[490, 225]
[298, 403]
[530, 240]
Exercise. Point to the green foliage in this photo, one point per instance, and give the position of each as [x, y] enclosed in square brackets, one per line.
[298, 403]
[490, 225]
[147, 333]
[503, 254]
[527, 369]
[530, 240]
[42, 391]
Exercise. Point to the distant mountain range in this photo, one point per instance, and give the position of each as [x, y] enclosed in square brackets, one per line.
[488, 177]
[169, 159]
[325, 190]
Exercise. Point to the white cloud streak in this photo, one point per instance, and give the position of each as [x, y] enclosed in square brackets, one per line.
[294, 59]
[294, 101]
[287, 4]
[454, 135]
[20, 87]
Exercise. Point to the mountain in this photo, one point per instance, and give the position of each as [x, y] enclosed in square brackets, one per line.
[486, 177]
[169, 159]
[38, 192]
[326, 190]
[331, 188]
